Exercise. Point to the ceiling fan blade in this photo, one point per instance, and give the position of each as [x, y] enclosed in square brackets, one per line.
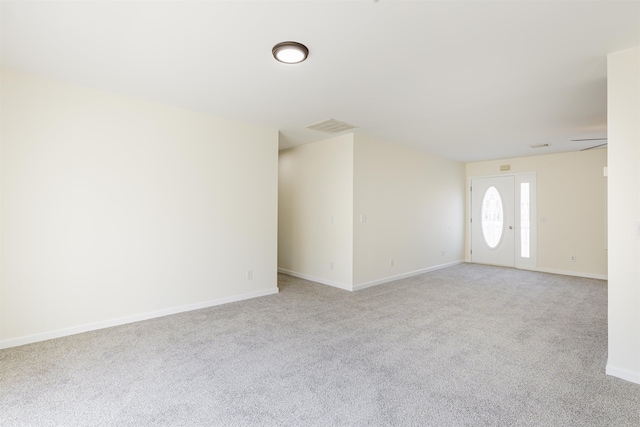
[589, 139]
[595, 146]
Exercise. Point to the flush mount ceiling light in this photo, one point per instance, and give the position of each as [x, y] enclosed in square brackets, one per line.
[290, 52]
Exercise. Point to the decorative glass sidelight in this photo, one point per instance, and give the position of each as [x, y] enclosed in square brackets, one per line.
[492, 217]
[525, 221]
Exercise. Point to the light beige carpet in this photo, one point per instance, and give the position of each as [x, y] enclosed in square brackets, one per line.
[469, 345]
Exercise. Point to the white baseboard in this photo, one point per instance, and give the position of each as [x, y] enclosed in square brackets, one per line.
[572, 273]
[339, 285]
[347, 287]
[633, 377]
[29, 339]
[405, 275]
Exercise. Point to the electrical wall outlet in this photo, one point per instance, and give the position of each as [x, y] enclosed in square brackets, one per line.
[391, 262]
[249, 274]
[573, 258]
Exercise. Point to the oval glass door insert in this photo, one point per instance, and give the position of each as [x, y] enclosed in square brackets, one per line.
[492, 217]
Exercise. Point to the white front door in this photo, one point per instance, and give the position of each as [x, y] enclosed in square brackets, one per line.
[493, 221]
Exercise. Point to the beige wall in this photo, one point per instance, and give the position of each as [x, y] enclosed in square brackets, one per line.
[414, 205]
[315, 211]
[115, 209]
[571, 206]
[623, 93]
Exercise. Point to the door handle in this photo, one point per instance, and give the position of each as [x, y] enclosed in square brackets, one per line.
[510, 227]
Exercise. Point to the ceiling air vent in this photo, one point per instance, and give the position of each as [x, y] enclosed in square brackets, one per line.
[540, 145]
[331, 126]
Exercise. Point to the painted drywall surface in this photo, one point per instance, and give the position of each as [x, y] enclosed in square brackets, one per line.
[414, 207]
[113, 206]
[315, 228]
[571, 194]
[623, 109]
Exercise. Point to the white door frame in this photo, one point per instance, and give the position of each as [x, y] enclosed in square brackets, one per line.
[520, 178]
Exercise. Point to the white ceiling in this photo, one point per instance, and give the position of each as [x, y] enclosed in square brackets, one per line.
[464, 80]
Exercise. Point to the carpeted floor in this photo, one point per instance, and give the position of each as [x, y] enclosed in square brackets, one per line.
[469, 345]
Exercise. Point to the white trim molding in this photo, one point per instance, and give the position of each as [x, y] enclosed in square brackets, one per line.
[405, 275]
[338, 285]
[29, 339]
[633, 377]
[572, 273]
[365, 285]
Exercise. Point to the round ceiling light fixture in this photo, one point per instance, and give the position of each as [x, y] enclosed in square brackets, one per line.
[290, 52]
